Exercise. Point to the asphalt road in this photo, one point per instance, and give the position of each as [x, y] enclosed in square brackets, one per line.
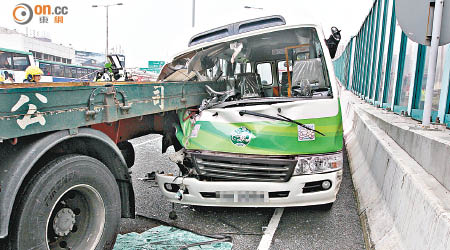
[299, 227]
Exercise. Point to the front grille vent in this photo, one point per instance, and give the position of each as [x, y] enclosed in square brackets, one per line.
[228, 168]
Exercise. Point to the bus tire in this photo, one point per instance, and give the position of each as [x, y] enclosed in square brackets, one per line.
[73, 202]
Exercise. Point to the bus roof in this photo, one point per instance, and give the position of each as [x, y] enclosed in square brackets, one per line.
[66, 64]
[16, 51]
[244, 35]
[237, 28]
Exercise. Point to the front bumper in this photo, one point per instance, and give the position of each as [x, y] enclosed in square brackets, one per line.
[292, 190]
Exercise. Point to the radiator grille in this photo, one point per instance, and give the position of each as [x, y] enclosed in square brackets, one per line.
[214, 167]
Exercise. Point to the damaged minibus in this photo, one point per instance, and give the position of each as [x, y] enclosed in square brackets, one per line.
[271, 134]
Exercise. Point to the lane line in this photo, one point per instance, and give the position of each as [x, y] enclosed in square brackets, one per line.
[266, 240]
[143, 143]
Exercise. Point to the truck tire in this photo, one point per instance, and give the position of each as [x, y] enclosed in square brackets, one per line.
[73, 202]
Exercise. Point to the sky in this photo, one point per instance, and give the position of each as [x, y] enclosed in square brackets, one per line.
[157, 30]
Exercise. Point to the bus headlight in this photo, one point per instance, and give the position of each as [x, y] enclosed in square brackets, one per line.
[313, 164]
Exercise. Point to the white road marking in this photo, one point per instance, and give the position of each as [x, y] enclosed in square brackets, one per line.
[143, 143]
[266, 240]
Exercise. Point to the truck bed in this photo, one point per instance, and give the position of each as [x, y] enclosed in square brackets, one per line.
[27, 109]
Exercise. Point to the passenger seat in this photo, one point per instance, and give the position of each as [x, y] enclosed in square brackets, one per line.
[249, 85]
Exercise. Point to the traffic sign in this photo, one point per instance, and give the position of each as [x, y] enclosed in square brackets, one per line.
[416, 19]
[155, 64]
[154, 70]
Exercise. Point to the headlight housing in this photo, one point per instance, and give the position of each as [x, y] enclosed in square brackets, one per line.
[313, 164]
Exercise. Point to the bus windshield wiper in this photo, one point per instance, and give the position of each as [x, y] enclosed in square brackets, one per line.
[283, 118]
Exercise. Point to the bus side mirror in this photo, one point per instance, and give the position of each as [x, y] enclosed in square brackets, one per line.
[333, 41]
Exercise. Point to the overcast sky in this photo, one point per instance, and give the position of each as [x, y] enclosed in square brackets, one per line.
[157, 29]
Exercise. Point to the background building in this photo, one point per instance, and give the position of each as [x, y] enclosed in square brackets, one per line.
[37, 43]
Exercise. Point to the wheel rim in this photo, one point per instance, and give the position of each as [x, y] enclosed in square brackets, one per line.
[77, 219]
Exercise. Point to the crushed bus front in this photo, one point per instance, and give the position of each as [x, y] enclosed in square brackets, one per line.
[272, 135]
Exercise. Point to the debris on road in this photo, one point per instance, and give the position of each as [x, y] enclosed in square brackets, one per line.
[170, 238]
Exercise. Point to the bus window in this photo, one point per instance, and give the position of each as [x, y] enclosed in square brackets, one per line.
[89, 71]
[248, 68]
[238, 69]
[73, 72]
[20, 61]
[85, 72]
[212, 72]
[68, 72]
[91, 74]
[46, 68]
[282, 72]
[265, 72]
[5, 60]
[79, 73]
[58, 70]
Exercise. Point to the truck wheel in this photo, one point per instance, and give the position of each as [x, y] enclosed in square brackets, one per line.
[71, 203]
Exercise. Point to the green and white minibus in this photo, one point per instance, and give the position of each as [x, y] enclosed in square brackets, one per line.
[272, 135]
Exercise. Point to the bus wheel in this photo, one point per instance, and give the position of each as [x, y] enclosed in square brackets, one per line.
[71, 203]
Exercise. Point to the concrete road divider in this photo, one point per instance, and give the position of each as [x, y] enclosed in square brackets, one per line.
[403, 204]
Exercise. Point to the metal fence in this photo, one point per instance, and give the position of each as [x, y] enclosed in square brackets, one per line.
[387, 69]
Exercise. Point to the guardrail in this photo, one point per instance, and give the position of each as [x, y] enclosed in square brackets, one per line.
[385, 68]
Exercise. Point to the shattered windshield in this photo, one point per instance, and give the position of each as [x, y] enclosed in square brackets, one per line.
[281, 64]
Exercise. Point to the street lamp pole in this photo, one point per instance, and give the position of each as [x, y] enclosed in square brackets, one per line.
[107, 25]
[435, 35]
[193, 13]
[107, 33]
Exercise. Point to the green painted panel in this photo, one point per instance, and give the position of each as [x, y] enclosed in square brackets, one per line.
[400, 109]
[26, 111]
[268, 138]
[447, 120]
[16, 51]
[417, 114]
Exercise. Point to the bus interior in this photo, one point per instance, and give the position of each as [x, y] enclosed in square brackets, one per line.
[270, 67]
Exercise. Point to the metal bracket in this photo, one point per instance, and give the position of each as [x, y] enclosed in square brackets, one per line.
[91, 112]
[73, 131]
[107, 90]
[126, 106]
[183, 99]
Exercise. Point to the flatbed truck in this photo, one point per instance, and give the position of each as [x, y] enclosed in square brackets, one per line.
[65, 156]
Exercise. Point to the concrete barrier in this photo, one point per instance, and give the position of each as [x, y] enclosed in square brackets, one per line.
[404, 206]
[430, 148]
